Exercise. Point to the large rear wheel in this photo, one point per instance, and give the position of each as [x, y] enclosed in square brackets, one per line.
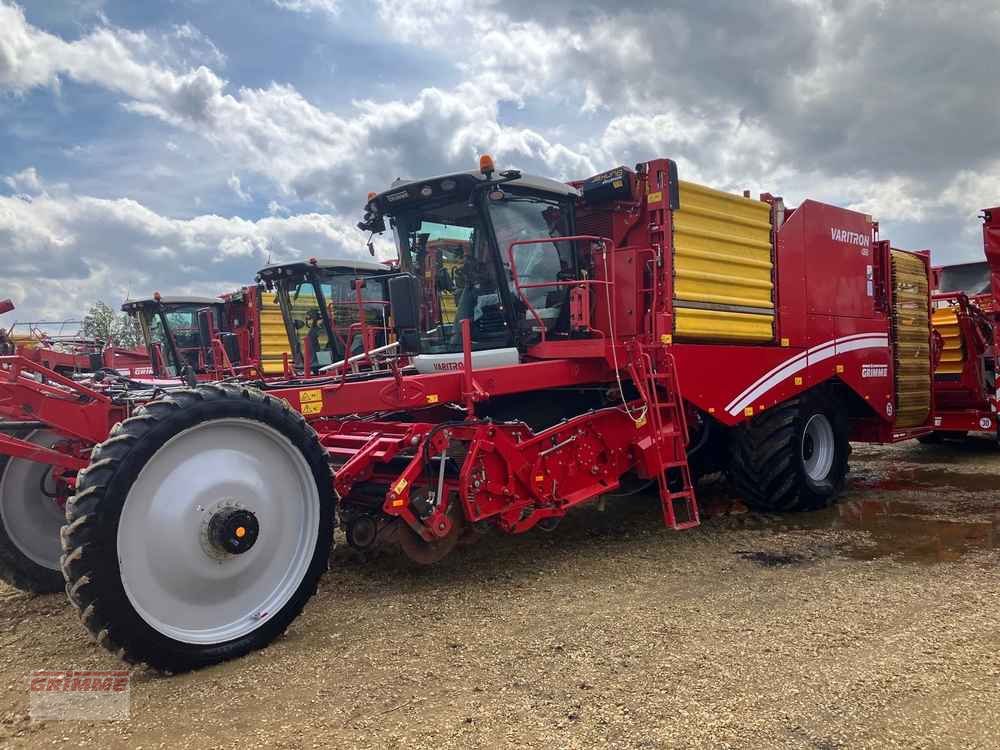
[200, 528]
[792, 457]
[30, 518]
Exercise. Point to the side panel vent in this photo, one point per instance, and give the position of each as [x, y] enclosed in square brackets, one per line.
[911, 334]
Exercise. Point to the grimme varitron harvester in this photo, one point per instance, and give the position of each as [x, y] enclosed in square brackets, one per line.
[604, 333]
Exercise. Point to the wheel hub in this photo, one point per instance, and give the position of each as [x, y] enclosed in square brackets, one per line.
[808, 447]
[819, 447]
[233, 530]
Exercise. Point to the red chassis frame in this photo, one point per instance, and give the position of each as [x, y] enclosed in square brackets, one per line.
[32, 396]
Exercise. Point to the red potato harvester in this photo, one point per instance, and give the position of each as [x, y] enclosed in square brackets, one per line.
[626, 330]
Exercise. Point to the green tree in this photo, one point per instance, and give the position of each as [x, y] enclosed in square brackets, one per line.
[103, 323]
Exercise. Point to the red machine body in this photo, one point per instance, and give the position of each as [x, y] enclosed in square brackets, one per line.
[967, 319]
[68, 355]
[833, 322]
[840, 320]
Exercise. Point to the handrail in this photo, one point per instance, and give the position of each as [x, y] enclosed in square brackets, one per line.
[360, 356]
[519, 287]
[15, 366]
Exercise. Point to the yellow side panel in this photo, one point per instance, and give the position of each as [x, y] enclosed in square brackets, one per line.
[716, 325]
[722, 260]
[945, 322]
[273, 338]
[911, 339]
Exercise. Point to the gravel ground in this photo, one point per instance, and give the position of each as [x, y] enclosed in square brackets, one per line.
[872, 624]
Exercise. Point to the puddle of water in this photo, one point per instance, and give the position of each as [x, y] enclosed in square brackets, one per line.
[938, 515]
[916, 514]
[918, 478]
[924, 530]
[772, 559]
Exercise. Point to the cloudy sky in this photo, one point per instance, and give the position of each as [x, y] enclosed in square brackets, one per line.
[178, 145]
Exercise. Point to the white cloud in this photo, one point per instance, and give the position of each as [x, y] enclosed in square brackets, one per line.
[237, 187]
[63, 251]
[275, 131]
[309, 6]
[117, 59]
[25, 181]
[185, 44]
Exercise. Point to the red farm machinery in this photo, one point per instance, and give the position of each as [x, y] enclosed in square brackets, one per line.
[967, 319]
[49, 422]
[69, 355]
[625, 330]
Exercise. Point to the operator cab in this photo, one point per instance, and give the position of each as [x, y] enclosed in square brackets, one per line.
[173, 329]
[333, 309]
[971, 279]
[481, 247]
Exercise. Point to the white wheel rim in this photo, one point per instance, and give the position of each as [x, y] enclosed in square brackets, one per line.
[177, 583]
[31, 518]
[818, 448]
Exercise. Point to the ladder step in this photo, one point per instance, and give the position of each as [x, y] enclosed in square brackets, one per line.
[686, 525]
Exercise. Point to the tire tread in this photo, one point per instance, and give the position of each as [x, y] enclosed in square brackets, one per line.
[89, 562]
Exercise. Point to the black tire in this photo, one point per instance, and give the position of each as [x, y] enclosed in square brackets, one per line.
[16, 568]
[90, 560]
[767, 464]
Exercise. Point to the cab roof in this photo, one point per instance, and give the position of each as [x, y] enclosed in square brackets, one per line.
[135, 304]
[971, 278]
[403, 190]
[345, 265]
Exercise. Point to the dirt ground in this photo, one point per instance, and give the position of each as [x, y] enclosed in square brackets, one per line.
[873, 624]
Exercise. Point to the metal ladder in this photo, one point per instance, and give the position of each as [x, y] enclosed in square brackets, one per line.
[669, 424]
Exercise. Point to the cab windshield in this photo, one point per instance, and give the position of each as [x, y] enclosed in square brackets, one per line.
[182, 323]
[462, 254]
[326, 318]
